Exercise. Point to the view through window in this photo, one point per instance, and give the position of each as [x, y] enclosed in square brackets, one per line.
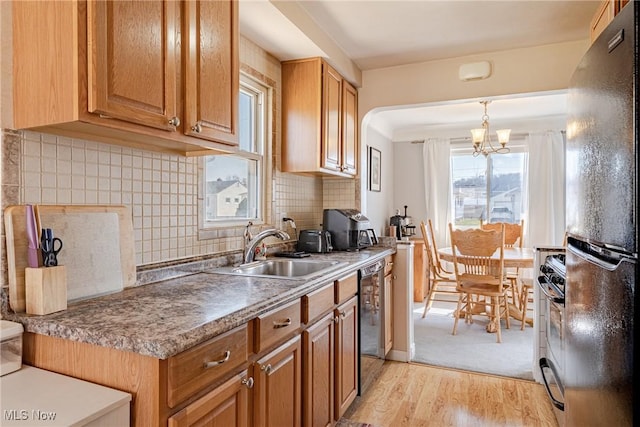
[488, 188]
[234, 182]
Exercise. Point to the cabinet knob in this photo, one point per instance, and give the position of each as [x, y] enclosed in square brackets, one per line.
[336, 319]
[343, 314]
[174, 121]
[266, 368]
[196, 128]
[227, 355]
[248, 382]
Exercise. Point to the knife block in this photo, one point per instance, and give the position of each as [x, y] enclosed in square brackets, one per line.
[45, 289]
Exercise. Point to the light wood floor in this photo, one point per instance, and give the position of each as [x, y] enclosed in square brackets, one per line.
[408, 394]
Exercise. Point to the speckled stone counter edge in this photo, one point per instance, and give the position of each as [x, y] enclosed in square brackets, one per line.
[166, 317]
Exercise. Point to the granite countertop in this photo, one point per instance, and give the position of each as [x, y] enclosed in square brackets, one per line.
[165, 318]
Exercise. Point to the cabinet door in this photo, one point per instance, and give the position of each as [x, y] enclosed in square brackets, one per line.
[132, 61]
[346, 356]
[277, 400]
[388, 313]
[318, 373]
[331, 108]
[603, 16]
[226, 405]
[212, 74]
[349, 129]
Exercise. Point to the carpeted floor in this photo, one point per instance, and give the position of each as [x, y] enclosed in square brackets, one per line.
[472, 349]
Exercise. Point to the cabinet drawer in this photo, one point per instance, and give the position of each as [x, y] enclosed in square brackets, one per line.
[196, 368]
[346, 287]
[317, 303]
[275, 325]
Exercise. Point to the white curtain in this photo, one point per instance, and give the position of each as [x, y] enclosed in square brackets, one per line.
[437, 178]
[544, 189]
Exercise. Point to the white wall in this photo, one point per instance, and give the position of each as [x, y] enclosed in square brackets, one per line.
[378, 206]
[408, 172]
[529, 70]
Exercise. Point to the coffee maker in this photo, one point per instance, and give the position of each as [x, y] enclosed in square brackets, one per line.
[403, 224]
[350, 230]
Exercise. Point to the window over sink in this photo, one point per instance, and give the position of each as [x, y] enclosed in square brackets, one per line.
[234, 185]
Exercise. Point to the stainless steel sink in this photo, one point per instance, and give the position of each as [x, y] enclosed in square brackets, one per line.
[282, 268]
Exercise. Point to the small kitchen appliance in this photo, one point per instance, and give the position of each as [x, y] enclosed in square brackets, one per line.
[314, 241]
[403, 224]
[350, 230]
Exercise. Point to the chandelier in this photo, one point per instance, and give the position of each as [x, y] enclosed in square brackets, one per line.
[481, 137]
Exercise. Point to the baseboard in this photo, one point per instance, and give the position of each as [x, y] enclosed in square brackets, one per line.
[400, 356]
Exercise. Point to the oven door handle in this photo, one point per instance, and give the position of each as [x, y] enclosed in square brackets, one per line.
[544, 363]
[542, 284]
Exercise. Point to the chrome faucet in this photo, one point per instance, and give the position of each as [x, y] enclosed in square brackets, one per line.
[252, 244]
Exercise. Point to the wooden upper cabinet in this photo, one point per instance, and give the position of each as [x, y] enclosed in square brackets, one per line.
[607, 10]
[157, 74]
[319, 119]
[349, 129]
[132, 61]
[212, 72]
[331, 120]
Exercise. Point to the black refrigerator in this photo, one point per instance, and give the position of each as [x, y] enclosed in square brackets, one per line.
[602, 230]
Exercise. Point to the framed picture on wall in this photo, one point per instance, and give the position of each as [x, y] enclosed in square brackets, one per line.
[375, 160]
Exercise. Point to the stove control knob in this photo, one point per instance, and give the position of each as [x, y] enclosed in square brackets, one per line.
[557, 280]
[546, 269]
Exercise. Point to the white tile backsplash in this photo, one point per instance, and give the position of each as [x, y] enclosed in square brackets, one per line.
[161, 189]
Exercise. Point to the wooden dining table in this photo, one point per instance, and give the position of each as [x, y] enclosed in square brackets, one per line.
[513, 258]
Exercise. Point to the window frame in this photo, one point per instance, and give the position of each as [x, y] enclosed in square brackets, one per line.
[208, 229]
[516, 145]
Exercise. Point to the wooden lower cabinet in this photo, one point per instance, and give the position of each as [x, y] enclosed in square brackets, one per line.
[277, 400]
[420, 266]
[318, 372]
[346, 356]
[226, 405]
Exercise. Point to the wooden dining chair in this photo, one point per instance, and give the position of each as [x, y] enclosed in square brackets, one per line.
[479, 274]
[513, 236]
[440, 281]
[513, 233]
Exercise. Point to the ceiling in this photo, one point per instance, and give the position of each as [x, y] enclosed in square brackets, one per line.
[378, 34]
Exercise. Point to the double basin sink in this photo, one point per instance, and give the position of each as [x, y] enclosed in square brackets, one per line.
[283, 268]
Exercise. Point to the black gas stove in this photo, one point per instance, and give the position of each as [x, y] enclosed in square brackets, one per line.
[554, 272]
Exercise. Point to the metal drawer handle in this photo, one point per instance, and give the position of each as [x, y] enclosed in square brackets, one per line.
[266, 368]
[227, 355]
[247, 382]
[277, 325]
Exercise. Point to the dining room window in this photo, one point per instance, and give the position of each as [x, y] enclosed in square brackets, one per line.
[489, 188]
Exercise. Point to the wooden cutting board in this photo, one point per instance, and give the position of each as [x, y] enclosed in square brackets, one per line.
[98, 248]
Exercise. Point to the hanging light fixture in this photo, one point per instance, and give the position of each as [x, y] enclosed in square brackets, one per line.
[481, 137]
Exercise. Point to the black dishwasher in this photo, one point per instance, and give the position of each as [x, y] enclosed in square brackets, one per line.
[371, 322]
